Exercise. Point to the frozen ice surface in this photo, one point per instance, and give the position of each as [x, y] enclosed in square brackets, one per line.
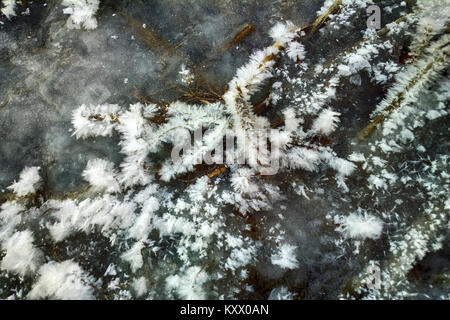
[135, 54]
[48, 69]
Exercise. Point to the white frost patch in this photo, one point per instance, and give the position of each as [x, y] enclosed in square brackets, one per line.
[326, 122]
[186, 75]
[65, 281]
[141, 227]
[290, 121]
[101, 175]
[295, 51]
[21, 256]
[134, 257]
[140, 286]
[342, 166]
[241, 181]
[433, 114]
[377, 182]
[239, 257]
[188, 285]
[304, 158]
[283, 33]
[9, 218]
[357, 157]
[29, 181]
[82, 13]
[8, 9]
[286, 257]
[361, 226]
[406, 135]
[93, 121]
[280, 293]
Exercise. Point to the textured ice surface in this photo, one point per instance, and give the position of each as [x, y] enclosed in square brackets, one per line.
[136, 52]
[138, 47]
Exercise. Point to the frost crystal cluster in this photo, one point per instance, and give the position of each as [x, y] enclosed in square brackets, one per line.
[337, 163]
[81, 13]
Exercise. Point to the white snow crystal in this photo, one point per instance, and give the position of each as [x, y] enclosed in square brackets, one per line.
[357, 157]
[342, 166]
[101, 175]
[134, 256]
[290, 121]
[82, 13]
[326, 122]
[29, 181]
[141, 227]
[433, 114]
[283, 33]
[295, 51]
[303, 158]
[377, 182]
[21, 256]
[94, 120]
[286, 257]
[140, 286]
[188, 285]
[241, 181]
[186, 75]
[9, 218]
[361, 226]
[65, 281]
[280, 293]
[9, 8]
[65, 212]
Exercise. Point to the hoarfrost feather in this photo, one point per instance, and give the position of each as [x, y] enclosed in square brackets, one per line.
[29, 181]
[286, 257]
